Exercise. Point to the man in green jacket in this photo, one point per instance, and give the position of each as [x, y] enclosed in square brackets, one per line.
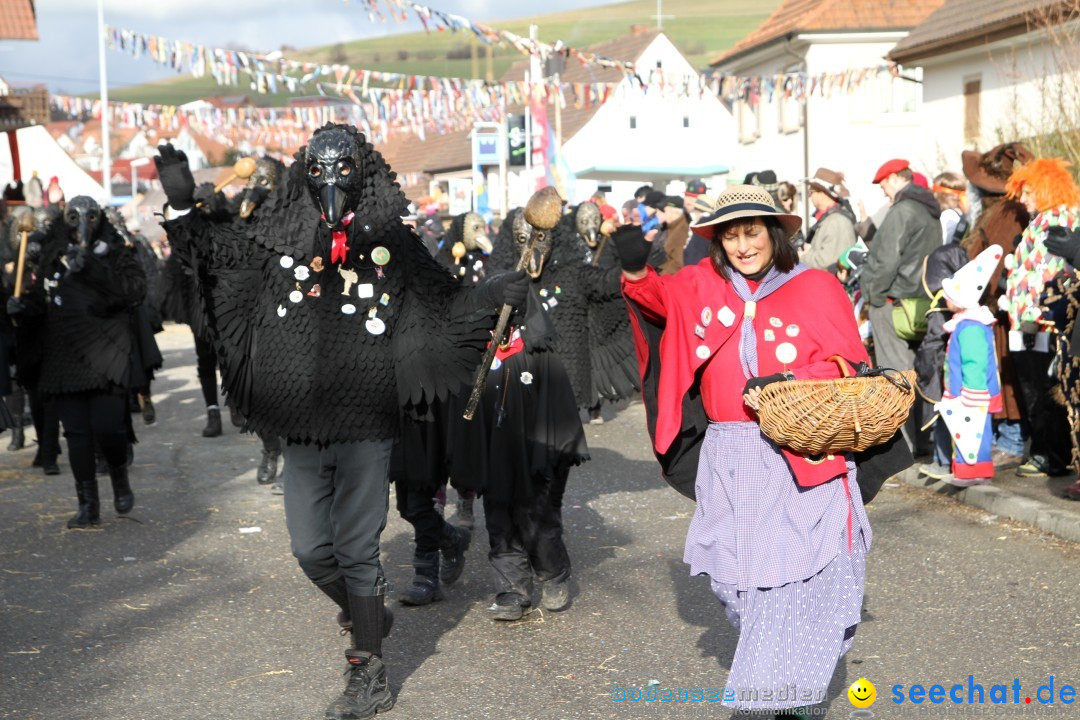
[908, 234]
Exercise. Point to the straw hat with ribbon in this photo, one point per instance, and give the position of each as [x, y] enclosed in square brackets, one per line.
[744, 201]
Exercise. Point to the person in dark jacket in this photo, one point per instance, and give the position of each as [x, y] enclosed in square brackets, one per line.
[893, 272]
[78, 313]
[930, 357]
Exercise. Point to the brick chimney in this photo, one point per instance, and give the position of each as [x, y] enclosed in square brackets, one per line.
[639, 29]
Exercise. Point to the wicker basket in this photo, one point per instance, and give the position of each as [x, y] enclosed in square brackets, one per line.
[850, 414]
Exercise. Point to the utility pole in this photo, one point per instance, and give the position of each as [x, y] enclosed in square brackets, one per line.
[106, 159]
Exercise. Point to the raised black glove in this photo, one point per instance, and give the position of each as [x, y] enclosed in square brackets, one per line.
[15, 306]
[509, 288]
[761, 382]
[1064, 243]
[632, 247]
[175, 175]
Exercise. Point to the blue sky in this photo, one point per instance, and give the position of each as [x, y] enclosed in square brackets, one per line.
[66, 56]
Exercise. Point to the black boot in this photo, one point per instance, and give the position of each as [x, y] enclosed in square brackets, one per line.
[267, 470]
[424, 588]
[149, 415]
[18, 438]
[123, 498]
[89, 506]
[367, 692]
[213, 423]
[339, 593]
[453, 544]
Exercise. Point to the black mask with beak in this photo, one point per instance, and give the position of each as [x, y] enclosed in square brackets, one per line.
[83, 216]
[266, 177]
[333, 164]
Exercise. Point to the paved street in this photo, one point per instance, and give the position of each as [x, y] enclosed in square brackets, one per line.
[177, 613]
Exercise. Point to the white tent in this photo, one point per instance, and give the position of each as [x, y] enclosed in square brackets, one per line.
[39, 152]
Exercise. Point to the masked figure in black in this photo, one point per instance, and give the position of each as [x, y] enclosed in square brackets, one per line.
[421, 463]
[527, 433]
[330, 318]
[614, 374]
[77, 318]
[27, 361]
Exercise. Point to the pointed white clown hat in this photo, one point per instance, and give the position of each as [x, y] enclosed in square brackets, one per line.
[966, 287]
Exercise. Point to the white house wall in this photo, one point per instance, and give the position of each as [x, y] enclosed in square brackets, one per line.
[659, 139]
[1017, 76]
[852, 133]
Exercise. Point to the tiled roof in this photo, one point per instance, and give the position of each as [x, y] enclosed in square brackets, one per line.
[18, 20]
[833, 15]
[960, 23]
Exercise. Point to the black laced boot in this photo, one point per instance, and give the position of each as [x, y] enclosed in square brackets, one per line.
[123, 498]
[424, 588]
[267, 471]
[453, 544]
[366, 692]
[89, 506]
[213, 423]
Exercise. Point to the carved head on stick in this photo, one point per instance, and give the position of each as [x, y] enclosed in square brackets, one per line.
[542, 213]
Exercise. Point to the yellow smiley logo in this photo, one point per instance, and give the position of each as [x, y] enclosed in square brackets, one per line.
[862, 693]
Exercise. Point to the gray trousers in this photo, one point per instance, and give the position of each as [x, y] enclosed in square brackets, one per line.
[892, 352]
[336, 500]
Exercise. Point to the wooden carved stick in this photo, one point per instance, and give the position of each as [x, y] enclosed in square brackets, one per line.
[242, 169]
[542, 212]
[25, 225]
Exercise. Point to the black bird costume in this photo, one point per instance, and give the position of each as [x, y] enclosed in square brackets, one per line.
[75, 322]
[527, 432]
[330, 318]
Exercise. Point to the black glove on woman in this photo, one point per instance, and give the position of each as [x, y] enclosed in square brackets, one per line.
[632, 247]
[1064, 243]
[175, 176]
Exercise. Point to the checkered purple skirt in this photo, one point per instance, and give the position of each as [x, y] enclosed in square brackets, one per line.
[777, 556]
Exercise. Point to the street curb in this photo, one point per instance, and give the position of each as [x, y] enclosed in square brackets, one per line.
[1063, 524]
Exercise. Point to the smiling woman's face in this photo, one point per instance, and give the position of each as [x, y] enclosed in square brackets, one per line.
[748, 246]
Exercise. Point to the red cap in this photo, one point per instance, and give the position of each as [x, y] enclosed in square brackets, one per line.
[893, 166]
[607, 212]
[920, 179]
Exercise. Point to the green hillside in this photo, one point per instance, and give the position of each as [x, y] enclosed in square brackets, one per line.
[700, 29]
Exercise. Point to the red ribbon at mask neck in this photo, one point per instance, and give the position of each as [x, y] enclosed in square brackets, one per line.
[339, 250]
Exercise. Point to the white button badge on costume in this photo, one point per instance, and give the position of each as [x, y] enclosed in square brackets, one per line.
[375, 326]
[366, 290]
[786, 353]
[776, 322]
[769, 335]
[302, 272]
[792, 330]
[296, 296]
[726, 316]
[706, 316]
[281, 311]
[526, 378]
[703, 352]
[286, 262]
[348, 308]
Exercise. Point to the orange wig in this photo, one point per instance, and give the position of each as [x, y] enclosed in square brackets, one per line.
[1048, 181]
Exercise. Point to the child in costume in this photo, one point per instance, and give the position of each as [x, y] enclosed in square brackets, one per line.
[972, 391]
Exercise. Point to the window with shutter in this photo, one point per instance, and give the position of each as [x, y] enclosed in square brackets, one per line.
[972, 94]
